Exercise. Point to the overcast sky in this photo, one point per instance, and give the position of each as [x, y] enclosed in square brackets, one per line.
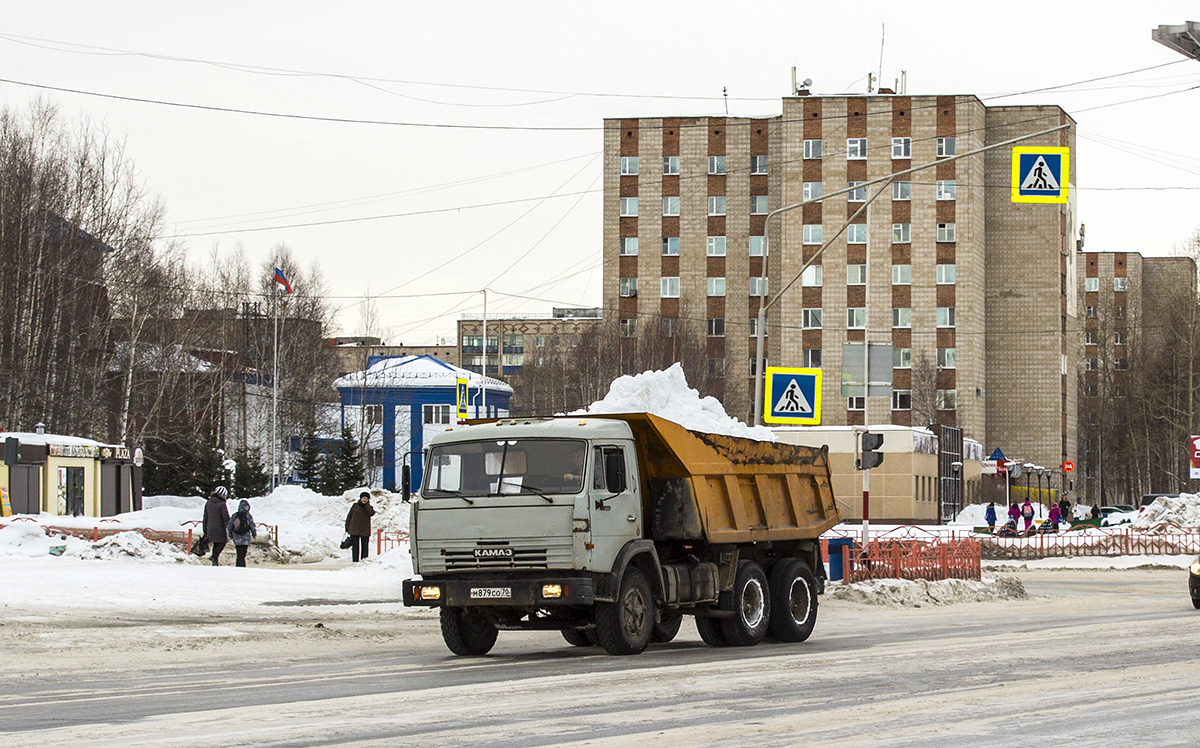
[503, 189]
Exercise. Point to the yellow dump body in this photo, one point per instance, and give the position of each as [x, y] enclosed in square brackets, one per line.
[726, 489]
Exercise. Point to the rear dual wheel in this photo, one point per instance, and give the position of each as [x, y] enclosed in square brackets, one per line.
[751, 604]
[793, 600]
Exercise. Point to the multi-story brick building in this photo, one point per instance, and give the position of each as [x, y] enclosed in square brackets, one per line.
[975, 293]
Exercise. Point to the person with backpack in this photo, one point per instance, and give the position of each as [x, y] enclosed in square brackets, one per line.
[1014, 514]
[242, 530]
[1027, 514]
[216, 521]
[358, 526]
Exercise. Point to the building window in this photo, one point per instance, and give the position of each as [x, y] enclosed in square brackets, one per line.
[901, 399]
[901, 233]
[812, 277]
[856, 149]
[810, 318]
[754, 365]
[628, 288]
[902, 358]
[716, 327]
[716, 246]
[716, 286]
[716, 165]
[856, 403]
[670, 246]
[629, 246]
[374, 414]
[540, 340]
[857, 193]
[758, 286]
[754, 328]
[812, 233]
[1091, 364]
[1118, 312]
[670, 287]
[1091, 337]
[856, 233]
[902, 190]
[716, 205]
[945, 316]
[629, 166]
[811, 191]
[812, 358]
[716, 368]
[1118, 338]
[1118, 389]
[1091, 390]
[758, 164]
[756, 246]
[670, 205]
[945, 275]
[945, 232]
[901, 275]
[901, 316]
[856, 275]
[758, 205]
[629, 206]
[945, 358]
[629, 328]
[856, 318]
[1120, 284]
[901, 147]
[812, 149]
[436, 414]
[1091, 284]
[945, 189]
[946, 147]
[947, 399]
[670, 165]
[1090, 312]
[1120, 364]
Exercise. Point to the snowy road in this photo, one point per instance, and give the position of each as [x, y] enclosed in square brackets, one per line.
[1096, 658]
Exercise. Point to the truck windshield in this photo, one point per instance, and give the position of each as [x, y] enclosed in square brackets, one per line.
[505, 467]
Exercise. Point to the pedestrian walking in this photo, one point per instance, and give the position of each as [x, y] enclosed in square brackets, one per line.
[216, 521]
[1014, 514]
[358, 526]
[989, 516]
[1064, 508]
[242, 530]
[1055, 516]
[1027, 514]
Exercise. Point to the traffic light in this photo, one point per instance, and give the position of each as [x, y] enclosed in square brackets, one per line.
[870, 446]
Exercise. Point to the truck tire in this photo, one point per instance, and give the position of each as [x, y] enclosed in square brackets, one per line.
[793, 600]
[710, 631]
[625, 627]
[666, 629]
[466, 632]
[750, 600]
[577, 637]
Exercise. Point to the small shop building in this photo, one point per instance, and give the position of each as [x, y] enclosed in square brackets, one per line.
[68, 476]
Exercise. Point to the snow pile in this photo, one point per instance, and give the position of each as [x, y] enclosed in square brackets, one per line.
[904, 593]
[29, 540]
[132, 545]
[1183, 510]
[666, 394]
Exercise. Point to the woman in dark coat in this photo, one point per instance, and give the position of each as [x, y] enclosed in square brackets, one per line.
[216, 519]
[358, 525]
[243, 520]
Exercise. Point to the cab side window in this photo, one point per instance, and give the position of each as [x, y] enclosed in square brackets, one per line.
[600, 457]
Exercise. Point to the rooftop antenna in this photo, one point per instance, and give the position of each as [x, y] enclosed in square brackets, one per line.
[882, 38]
[904, 81]
[725, 93]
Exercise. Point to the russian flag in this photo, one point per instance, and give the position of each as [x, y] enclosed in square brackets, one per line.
[282, 280]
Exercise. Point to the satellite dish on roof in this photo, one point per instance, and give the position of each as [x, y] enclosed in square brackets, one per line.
[807, 82]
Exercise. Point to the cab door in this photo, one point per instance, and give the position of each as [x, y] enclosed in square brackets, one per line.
[615, 503]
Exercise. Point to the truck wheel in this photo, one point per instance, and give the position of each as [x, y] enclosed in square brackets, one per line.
[625, 627]
[577, 637]
[668, 628]
[793, 600]
[466, 632]
[710, 631]
[751, 603]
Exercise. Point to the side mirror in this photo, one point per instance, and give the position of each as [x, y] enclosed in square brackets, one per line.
[405, 482]
[614, 472]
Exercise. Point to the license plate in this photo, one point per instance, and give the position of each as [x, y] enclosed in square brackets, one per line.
[491, 593]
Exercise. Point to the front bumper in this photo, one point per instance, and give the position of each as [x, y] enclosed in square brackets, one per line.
[499, 593]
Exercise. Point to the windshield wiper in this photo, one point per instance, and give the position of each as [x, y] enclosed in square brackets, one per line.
[537, 491]
[448, 492]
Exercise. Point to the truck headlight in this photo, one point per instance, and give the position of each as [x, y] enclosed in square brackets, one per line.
[1195, 568]
[553, 591]
[427, 593]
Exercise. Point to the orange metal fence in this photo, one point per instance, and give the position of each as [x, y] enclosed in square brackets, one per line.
[180, 538]
[912, 559]
[265, 531]
[386, 540]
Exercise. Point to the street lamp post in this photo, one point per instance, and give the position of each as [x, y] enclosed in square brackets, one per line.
[1040, 471]
[1029, 468]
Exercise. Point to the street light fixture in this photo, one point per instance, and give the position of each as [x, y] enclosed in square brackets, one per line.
[1184, 39]
[1040, 470]
[1029, 468]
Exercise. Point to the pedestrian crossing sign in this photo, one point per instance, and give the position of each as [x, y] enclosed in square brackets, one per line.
[793, 396]
[461, 399]
[1040, 174]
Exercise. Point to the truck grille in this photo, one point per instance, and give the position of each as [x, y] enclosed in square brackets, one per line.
[534, 553]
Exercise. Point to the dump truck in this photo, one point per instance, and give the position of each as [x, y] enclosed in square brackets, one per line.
[612, 528]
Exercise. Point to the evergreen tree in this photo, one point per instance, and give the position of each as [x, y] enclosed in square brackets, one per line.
[349, 462]
[328, 478]
[308, 465]
[250, 478]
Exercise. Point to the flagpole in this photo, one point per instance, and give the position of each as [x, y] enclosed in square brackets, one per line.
[275, 403]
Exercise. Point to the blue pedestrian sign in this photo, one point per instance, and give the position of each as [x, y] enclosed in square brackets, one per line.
[461, 399]
[793, 396]
[1040, 174]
